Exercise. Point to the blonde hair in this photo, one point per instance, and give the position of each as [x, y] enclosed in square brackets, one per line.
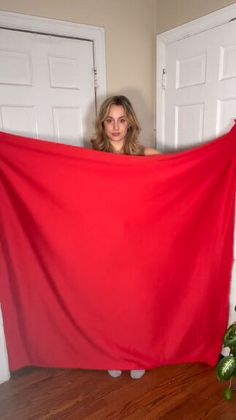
[101, 141]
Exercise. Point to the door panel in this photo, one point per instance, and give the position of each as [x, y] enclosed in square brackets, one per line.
[47, 86]
[47, 92]
[200, 97]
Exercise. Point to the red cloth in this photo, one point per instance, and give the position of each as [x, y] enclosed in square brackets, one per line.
[111, 261]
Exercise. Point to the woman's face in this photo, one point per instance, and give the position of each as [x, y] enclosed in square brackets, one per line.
[116, 126]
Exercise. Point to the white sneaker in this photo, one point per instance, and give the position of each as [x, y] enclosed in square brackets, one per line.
[137, 374]
[115, 373]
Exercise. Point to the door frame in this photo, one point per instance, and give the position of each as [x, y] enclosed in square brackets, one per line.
[218, 18]
[35, 24]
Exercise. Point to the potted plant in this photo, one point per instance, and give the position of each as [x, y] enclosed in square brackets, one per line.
[226, 367]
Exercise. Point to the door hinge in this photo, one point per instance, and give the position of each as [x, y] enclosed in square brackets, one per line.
[163, 81]
[95, 76]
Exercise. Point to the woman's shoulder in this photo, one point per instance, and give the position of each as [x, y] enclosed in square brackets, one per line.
[148, 151]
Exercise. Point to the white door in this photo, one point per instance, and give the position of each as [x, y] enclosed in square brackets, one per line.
[47, 92]
[4, 368]
[46, 86]
[200, 95]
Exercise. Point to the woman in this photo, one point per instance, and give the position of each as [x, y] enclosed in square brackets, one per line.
[117, 131]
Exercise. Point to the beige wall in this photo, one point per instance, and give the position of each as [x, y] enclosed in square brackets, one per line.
[172, 13]
[130, 44]
[130, 27]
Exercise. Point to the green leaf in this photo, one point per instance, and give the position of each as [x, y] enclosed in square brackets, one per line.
[228, 394]
[233, 351]
[226, 368]
[230, 336]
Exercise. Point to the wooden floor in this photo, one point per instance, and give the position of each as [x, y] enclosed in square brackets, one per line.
[189, 392]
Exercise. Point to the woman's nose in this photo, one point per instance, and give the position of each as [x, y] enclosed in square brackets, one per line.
[116, 125]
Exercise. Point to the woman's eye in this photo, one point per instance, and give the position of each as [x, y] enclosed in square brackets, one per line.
[108, 120]
[123, 120]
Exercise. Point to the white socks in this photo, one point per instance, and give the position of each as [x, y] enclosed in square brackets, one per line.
[115, 373]
[135, 374]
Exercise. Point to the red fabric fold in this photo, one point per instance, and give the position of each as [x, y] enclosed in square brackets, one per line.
[111, 261]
